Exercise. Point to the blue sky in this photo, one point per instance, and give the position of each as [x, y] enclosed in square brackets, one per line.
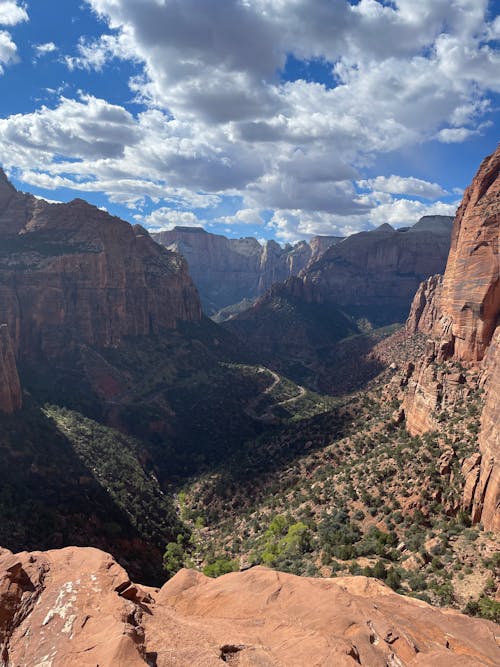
[271, 118]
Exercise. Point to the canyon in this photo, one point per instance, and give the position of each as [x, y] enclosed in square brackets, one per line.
[227, 271]
[130, 423]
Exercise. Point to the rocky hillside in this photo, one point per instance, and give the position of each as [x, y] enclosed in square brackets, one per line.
[460, 315]
[71, 274]
[78, 606]
[226, 271]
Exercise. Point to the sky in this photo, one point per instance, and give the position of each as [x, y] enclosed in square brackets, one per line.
[269, 118]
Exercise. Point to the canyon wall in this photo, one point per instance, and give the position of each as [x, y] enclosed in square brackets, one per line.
[460, 315]
[71, 273]
[381, 269]
[227, 271]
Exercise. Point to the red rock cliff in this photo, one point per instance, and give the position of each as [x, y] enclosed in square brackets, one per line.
[383, 267]
[10, 388]
[71, 273]
[461, 316]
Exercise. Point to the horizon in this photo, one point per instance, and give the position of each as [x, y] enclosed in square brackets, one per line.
[269, 120]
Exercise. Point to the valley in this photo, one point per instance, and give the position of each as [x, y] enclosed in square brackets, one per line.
[314, 433]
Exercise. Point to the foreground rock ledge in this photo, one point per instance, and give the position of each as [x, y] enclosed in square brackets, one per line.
[77, 607]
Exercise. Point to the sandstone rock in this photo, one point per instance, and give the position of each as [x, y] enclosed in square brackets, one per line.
[383, 268]
[71, 274]
[470, 300]
[487, 497]
[226, 271]
[10, 387]
[64, 608]
[461, 315]
[61, 608]
[413, 564]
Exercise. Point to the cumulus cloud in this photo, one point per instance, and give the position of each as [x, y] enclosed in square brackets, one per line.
[8, 50]
[219, 118]
[455, 135]
[403, 186]
[164, 219]
[245, 216]
[12, 13]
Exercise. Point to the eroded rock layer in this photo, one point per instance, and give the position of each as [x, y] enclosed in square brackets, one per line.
[383, 268]
[71, 273]
[75, 607]
[460, 314]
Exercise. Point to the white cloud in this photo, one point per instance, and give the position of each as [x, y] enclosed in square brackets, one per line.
[164, 219]
[12, 13]
[44, 49]
[8, 50]
[218, 120]
[403, 186]
[245, 216]
[455, 135]
[405, 212]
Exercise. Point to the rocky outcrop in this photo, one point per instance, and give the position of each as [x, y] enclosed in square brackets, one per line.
[460, 314]
[77, 606]
[226, 271]
[10, 388]
[71, 274]
[381, 270]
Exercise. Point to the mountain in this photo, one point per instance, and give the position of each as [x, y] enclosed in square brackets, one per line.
[375, 274]
[227, 271]
[71, 274]
[459, 314]
[76, 606]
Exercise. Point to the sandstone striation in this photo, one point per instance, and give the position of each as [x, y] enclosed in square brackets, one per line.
[226, 271]
[76, 606]
[381, 270]
[72, 274]
[10, 388]
[460, 314]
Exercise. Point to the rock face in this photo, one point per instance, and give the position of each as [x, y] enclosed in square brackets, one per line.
[78, 607]
[226, 271]
[10, 388]
[70, 273]
[381, 270]
[460, 314]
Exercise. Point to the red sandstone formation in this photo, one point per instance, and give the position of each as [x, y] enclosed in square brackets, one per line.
[461, 316]
[383, 267]
[10, 388]
[75, 607]
[71, 273]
